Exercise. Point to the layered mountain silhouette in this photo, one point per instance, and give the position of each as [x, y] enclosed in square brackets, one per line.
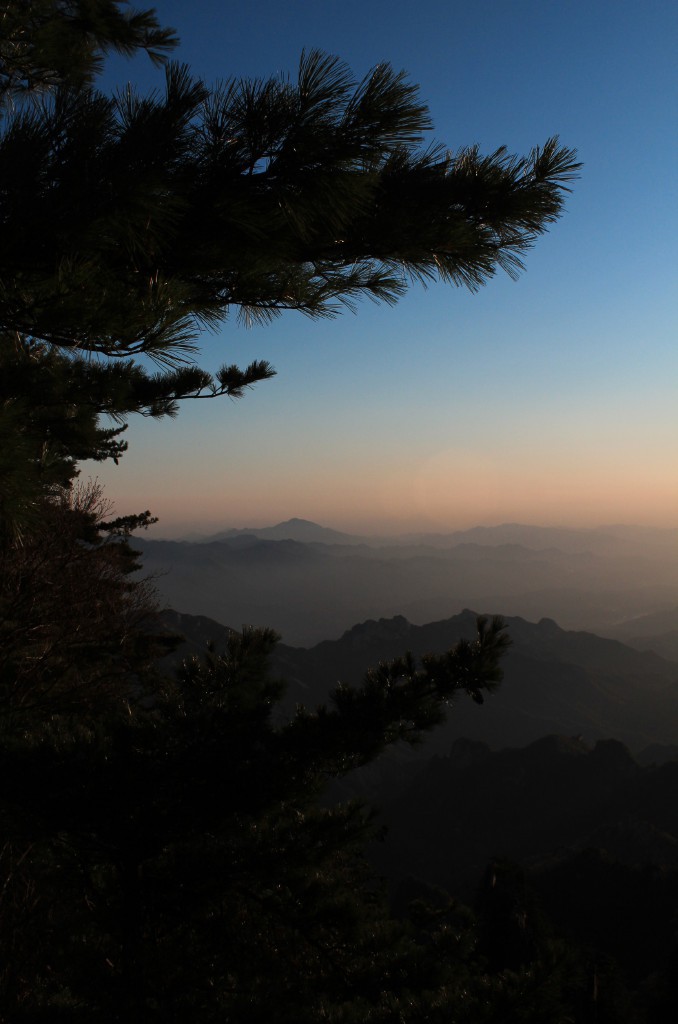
[559, 830]
[311, 583]
[556, 681]
[551, 808]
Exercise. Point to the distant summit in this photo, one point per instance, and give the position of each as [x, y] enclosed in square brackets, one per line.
[301, 530]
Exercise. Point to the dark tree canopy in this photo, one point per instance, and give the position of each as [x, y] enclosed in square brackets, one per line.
[46, 43]
[74, 619]
[170, 862]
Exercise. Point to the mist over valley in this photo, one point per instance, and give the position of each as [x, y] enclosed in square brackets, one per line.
[311, 583]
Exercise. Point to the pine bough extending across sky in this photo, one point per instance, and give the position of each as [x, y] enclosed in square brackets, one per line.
[131, 223]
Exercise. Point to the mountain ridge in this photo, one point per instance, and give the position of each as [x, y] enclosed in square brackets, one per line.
[556, 681]
[313, 588]
[531, 535]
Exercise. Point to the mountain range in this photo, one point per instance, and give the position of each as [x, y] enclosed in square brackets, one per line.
[540, 774]
[567, 539]
[311, 583]
[556, 681]
[550, 808]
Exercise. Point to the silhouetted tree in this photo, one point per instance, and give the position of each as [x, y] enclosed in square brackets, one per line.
[77, 624]
[163, 852]
[50, 43]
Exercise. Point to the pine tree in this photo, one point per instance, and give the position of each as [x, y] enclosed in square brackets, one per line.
[77, 623]
[164, 853]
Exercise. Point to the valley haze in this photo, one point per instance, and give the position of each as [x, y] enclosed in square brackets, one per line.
[311, 583]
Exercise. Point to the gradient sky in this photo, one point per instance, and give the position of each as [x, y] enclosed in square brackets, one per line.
[551, 400]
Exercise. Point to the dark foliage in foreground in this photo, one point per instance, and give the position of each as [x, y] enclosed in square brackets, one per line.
[168, 859]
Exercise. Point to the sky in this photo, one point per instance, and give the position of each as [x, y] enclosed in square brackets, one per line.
[549, 400]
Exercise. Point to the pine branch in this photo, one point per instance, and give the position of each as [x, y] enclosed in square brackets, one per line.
[398, 701]
[47, 43]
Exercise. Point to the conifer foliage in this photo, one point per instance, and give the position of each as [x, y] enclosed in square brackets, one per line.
[75, 622]
[130, 222]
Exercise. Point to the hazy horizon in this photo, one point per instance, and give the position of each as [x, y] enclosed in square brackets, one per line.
[179, 529]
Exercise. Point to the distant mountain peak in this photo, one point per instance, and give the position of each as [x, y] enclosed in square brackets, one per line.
[302, 530]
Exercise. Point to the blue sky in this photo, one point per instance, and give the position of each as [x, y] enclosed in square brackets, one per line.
[550, 400]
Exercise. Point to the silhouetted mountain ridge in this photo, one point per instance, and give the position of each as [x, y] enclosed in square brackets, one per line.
[556, 681]
[312, 589]
[569, 539]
